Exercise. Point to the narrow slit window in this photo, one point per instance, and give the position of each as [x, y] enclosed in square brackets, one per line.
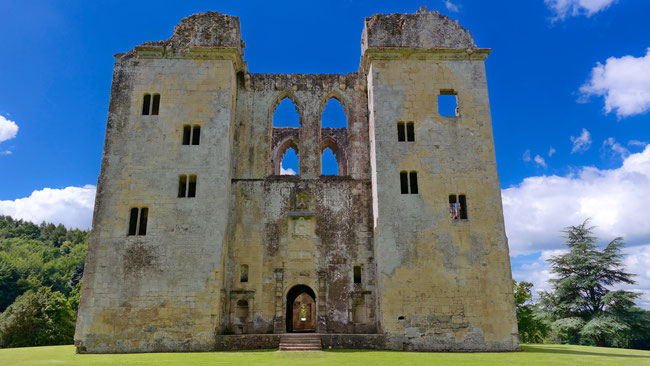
[146, 104]
[410, 131]
[144, 215]
[243, 273]
[463, 206]
[133, 221]
[400, 132]
[182, 185]
[187, 132]
[155, 106]
[196, 135]
[453, 207]
[413, 177]
[404, 182]
[191, 188]
[357, 274]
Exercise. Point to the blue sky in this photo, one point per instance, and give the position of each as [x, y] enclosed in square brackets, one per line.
[569, 84]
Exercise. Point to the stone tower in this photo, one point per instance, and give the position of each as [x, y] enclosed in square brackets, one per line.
[198, 242]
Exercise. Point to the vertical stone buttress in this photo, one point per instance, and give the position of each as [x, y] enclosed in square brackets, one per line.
[443, 283]
[162, 291]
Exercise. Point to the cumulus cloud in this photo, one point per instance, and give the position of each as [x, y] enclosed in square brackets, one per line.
[611, 147]
[617, 199]
[540, 161]
[623, 82]
[8, 130]
[451, 6]
[70, 206]
[581, 143]
[551, 151]
[287, 171]
[564, 8]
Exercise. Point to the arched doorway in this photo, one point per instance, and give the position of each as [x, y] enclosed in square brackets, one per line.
[301, 309]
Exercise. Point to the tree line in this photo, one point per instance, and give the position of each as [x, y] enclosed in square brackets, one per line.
[40, 282]
[582, 307]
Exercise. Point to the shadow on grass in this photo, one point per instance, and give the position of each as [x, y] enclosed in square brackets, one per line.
[561, 350]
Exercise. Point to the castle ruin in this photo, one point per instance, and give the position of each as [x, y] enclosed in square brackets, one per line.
[198, 243]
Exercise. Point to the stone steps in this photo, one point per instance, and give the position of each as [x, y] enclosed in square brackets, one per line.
[301, 342]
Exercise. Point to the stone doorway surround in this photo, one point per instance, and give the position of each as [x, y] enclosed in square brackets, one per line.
[301, 309]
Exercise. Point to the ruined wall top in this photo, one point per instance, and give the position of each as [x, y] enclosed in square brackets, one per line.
[424, 29]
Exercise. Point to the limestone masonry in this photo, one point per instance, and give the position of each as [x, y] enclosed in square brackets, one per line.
[198, 243]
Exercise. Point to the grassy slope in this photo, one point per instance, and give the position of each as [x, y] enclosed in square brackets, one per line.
[555, 355]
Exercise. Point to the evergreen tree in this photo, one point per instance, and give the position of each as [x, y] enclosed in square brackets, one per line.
[580, 301]
[532, 327]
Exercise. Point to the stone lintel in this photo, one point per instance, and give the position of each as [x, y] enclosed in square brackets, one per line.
[302, 214]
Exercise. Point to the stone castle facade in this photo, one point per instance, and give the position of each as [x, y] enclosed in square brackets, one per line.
[198, 243]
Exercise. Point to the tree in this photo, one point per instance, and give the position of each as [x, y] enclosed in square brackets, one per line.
[532, 328]
[580, 302]
[37, 318]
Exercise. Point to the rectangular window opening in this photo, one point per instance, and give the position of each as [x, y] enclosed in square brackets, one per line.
[187, 131]
[404, 182]
[413, 177]
[145, 104]
[357, 274]
[410, 132]
[448, 103]
[453, 207]
[182, 185]
[191, 190]
[144, 213]
[463, 206]
[133, 221]
[400, 131]
[196, 135]
[243, 273]
[155, 105]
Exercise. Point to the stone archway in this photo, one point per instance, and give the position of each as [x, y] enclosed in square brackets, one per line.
[301, 309]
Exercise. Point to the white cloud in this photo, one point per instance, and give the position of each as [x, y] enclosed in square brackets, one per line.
[287, 171]
[451, 6]
[581, 143]
[637, 143]
[8, 129]
[540, 207]
[526, 156]
[624, 82]
[564, 8]
[610, 146]
[540, 161]
[70, 206]
[551, 151]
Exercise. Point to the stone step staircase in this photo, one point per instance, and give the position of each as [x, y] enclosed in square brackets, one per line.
[300, 342]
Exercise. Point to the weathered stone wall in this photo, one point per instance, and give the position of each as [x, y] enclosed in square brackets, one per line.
[443, 284]
[429, 282]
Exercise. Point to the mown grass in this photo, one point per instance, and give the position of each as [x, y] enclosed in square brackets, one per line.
[533, 354]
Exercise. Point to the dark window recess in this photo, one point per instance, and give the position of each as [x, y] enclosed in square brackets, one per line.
[463, 206]
[191, 189]
[404, 182]
[243, 273]
[196, 134]
[133, 221]
[155, 106]
[146, 104]
[182, 185]
[400, 131]
[413, 177]
[144, 215]
[187, 132]
[357, 274]
[410, 131]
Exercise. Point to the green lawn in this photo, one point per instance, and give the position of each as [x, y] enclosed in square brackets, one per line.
[534, 354]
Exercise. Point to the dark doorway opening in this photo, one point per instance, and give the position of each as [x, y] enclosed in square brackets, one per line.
[301, 309]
